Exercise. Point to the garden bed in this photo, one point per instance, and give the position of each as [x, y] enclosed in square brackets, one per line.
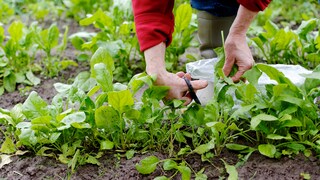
[257, 167]
[115, 166]
[90, 125]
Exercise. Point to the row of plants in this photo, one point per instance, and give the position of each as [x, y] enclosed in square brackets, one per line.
[93, 115]
[22, 46]
[96, 114]
[29, 50]
[117, 34]
[289, 15]
[44, 10]
[26, 52]
[286, 46]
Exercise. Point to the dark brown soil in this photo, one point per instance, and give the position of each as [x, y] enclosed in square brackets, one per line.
[260, 167]
[257, 167]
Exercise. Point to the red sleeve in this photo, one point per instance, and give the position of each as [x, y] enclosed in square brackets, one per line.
[154, 22]
[255, 5]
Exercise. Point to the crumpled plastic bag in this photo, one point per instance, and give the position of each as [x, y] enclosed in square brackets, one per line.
[204, 69]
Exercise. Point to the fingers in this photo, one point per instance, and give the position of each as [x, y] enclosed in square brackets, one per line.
[228, 66]
[237, 76]
[199, 84]
[187, 99]
[180, 74]
[242, 69]
[179, 89]
[188, 76]
[243, 65]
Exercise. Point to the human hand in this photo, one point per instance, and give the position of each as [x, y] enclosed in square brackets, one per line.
[178, 87]
[237, 53]
[236, 47]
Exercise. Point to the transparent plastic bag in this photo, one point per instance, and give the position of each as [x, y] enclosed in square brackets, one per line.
[204, 69]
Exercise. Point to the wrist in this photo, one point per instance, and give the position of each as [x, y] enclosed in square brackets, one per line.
[155, 70]
[235, 36]
[159, 73]
[235, 40]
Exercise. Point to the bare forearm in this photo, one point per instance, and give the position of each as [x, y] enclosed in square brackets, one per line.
[155, 59]
[242, 21]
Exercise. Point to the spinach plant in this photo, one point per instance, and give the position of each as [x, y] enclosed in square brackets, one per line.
[44, 10]
[91, 113]
[149, 165]
[182, 36]
[288, 46]
[78, 9]
[48, 40]
[6, 12]
[283, 115]
[17, 52]
[118, 36]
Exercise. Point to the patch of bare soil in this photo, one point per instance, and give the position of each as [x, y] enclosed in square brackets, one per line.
[261, 167]
[257, 167]
[34, 168]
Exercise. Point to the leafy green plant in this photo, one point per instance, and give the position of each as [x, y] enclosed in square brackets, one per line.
[182, 36]
[47, 128]
[150, 163]
[119, 39]
[291, 14]
[100, 123]
[5, 11]
[18, 53]
[44, 10]
[290, 47]
[78, 9]
[10, 119]
[17, 56]
[284, 117]
[48, 40]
